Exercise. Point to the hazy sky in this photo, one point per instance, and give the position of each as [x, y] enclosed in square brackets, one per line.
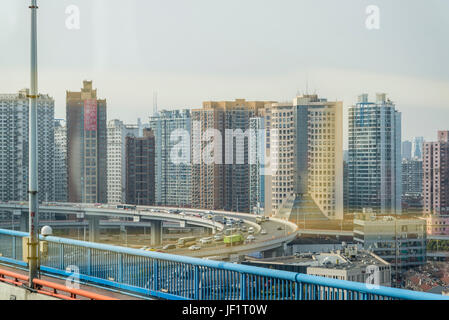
[196, 50]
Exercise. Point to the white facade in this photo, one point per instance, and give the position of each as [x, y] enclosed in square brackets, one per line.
[14, 115]
[60, 161]
[117, 133]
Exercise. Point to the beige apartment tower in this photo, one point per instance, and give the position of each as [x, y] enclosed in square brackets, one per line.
[307, 142]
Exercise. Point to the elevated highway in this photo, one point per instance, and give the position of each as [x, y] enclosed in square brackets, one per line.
[277, 232]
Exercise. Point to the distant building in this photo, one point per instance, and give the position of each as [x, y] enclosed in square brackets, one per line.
[406, 150]
[60, 161]
[436, 175]
[412, 176]
[349, 264]
[117, 133]
[345, 187]
[417, 148]
[436, 184]
[173, 176]
[140, 177]
[257, 154]
[14, 137]
[86, 146]
[401, 242]
[375, 171]
[308, 183]
[224, 182]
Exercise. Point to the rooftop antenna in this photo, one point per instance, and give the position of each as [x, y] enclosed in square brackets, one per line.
[307, 83]
[33, 245]
[155, 103]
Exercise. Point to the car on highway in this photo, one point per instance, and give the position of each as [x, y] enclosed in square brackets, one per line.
[263, 232]
[244, 228]
[194, 248]
[250, 238]
[251, 230]
[204, 241]
[218, 237]
[169, 246]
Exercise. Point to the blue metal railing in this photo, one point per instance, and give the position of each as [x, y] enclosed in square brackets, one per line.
[178, 277]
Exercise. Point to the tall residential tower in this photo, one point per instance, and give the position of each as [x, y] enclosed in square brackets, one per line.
[374, 167]
[172, 131]
[86, 146]
[14, 136]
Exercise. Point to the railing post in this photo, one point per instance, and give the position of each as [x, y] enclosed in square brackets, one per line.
[196, 280]
[120, 268]
[298, 287]
[61, 256]
[242, 286]
[89, 261]
[155, 276]
[14, 254]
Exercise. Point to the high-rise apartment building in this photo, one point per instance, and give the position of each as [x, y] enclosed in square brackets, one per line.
[417, 148]
[220, 168]
[86, 146]
[308, 183]
[117, 133]
[140, 155]
[257, 155]
[436, 175]
[412, 176]
[172, 131]
[14, 132]
[412, 181]
[60, 161]
[375, 177]
[407, 150]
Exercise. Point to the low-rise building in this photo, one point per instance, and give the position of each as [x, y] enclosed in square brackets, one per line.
[350, 264]
[399, 241]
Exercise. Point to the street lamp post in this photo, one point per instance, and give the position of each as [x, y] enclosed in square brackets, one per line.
[33, 255]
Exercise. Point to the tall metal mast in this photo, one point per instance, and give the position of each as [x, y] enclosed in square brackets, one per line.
[33, 184]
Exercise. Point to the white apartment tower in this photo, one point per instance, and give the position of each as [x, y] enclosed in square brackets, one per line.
[116, 173]
[60, 161]
[14, 115]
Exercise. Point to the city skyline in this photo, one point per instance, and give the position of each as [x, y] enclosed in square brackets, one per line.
[185, 72]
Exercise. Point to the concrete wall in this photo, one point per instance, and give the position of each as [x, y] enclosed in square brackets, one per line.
[10, 292]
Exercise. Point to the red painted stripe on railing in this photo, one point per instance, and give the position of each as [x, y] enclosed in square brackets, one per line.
[18, 279]
[73, 292]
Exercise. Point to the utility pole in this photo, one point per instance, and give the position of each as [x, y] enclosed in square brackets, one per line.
[32, 190]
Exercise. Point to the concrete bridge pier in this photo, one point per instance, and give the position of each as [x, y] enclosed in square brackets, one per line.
[273, 253]
[94, 228]
[156, 233]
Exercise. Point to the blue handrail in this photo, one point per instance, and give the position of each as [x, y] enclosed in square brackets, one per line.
[180, 277]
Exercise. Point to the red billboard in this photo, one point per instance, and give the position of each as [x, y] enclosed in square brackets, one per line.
[90, 115]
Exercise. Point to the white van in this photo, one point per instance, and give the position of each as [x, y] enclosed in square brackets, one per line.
[250, 230]
[204, 241]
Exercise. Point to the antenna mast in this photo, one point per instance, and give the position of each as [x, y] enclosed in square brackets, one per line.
[155, 103]
[33, 245]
